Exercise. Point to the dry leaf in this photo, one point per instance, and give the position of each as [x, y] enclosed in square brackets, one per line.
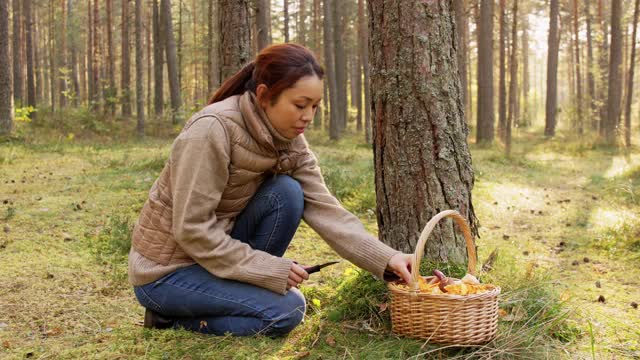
[331, 341]
[383, 307]
[6, 344]
[303, 354]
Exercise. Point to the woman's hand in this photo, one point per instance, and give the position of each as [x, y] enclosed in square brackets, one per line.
[400, 264]
[297, 275]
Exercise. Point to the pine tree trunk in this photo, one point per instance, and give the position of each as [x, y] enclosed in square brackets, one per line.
[210, 48]
[52, 56]
[422, 161]
[604, 67]
[62, 56]
[158, 60]
[88, 55]
[302, 24]
[148, 30]
[286, 20]
[627, 110]
[139, 71]
[96, 56]
[111, 78]
[316, 27]
[513, 78]
[235, 45]
[502, 87]
[37, 56]
[552, 71]
[579, 120]
[18, 94]
[334, 124]
[340, 66]
[525, 118]
[615, 84]
[462, 33]
[172, 59]
[263, 22]
[6, 95]
[486, 117]
[591, 85]
[73, 47]
[125, 78]
[28, 22]
[179, 46]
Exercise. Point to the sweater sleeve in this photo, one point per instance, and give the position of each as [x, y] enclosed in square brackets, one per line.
[342, 230]
[199, 164]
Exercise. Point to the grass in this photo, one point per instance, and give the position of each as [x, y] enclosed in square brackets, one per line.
[562, 213]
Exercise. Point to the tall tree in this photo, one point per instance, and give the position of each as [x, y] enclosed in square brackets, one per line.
[579, 120]
[632, 62]
[604, 66]
[6, 96]
[615, 83]
[334, 125]
[91, 88]
[62, 57]
[286, 20]
[158, 60]
[513, 78]
[485, 120]
[96, 55]
[552, 70]
[72, 34]
[422, 161]
[263, 23]
[235, 45]
[502, 87]
[340, 66]
[110, 92]
[28, 25]
[524, 119]
[462, 30]
[17, 65]
[591, 83]
[172, 59]
[52, 57]
[364, 59]
[302, 23]
[125, 77]
[139, 71]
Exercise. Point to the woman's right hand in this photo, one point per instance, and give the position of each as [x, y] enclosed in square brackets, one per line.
[297, 275]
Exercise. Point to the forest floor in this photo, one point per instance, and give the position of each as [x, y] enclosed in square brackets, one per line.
[563, 213]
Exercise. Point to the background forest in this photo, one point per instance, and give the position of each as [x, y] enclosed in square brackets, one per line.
[540, 94]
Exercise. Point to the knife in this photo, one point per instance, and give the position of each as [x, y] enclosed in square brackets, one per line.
[316, 268]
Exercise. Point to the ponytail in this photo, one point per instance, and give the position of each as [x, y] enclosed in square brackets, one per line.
[237, 84]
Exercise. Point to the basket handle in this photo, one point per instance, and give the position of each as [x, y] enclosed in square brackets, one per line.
[419, 252]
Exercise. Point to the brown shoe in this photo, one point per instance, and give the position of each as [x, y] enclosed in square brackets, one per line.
[153, 320]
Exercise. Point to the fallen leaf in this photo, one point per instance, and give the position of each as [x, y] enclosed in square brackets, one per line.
[383, 307]
[6, 344]
[331, 341]
[303, 354]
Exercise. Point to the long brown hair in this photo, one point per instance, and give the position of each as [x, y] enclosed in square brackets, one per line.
[277, 66]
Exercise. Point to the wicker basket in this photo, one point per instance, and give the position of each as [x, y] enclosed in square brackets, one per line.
[444, 319]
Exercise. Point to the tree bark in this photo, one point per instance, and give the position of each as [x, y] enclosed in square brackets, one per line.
[422, 161]
[111, 93]
[462, 31]
[486, 117]
[235, 45]
[513, 81]
[62, 59]
[125, 79]
[96, 56]
[172, 59]
[6, 95]
[17, 65]
[263, 22]
[28, 22]
[52, 57]
[591, 85]
[552, 71]
[364, 56]
[579, 120]
[525, 119]
[158, 60]
[89, 57]
[302, 30]
[604, 67]
[340, 66]
[632, 61]
[334, 125]
[286, 20]
[139, 71]
[615, 84]
[502, 87]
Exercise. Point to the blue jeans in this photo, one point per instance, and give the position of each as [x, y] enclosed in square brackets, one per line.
[200, 301]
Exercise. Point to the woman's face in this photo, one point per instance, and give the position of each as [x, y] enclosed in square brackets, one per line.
[296, 106]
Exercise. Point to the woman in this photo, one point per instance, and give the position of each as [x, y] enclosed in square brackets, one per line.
[207, 249]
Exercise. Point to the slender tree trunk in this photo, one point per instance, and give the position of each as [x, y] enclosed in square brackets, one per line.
[502, 87]
[316, 27]
[525, 118]
[148, 30]
[364, 57]
[28, 21]
[172, 59]
[591, 85]
[462, 33]
[139, 71]
[422, 161]
[158, 60]
[52, 56]
[615, 84]
[179, 46]
[579, 120]
[302, 24]
[89, 58]
[37, 56]
[125, 78]
[513, 81]
[96, 56]
[111, 78]
[263, 23]
[340, 66]
[6, 96]
[486, 117]
[552, 71]
[604, 67]
[632, 62]
[61, 71]
[334, 124]
[210, 48]
[286, 20]
[17, 65]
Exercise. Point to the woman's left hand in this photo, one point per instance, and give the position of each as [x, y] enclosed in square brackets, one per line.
[400, 264]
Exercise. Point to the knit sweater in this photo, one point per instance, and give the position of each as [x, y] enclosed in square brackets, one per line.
[215, 166]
